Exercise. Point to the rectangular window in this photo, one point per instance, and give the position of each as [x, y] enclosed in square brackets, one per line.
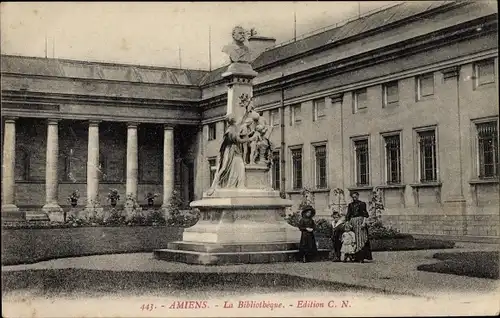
[275, 117]
[275, 171]
[212, 165]
[487, 141]
[319, 107]
[295, 114]
[362, 162]
[212, 131]
[425, 85]
[320, 169]
[296, 168]
[391, 94]
[427, 155]
[393, 159]
[360, 99]
[484, 72]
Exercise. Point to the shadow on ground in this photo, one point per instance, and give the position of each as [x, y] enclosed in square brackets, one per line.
[472, 264]
[83, 282]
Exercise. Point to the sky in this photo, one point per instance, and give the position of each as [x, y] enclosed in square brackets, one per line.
[171, 34]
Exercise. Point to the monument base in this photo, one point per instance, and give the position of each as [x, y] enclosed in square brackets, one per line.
[237, 226]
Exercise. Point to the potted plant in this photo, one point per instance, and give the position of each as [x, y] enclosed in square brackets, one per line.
[113, 197]
[150, 198]
[73, 198]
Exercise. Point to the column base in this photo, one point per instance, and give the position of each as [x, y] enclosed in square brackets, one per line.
[10, 212]
[54, 212]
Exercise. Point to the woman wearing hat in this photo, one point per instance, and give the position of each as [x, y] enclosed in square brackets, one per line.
[307, 246]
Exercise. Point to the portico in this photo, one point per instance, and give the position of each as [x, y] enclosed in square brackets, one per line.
[46, 159]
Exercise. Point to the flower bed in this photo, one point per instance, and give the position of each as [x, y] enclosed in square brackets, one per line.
[31, 245]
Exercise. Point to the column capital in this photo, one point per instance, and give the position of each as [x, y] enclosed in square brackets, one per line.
[168, 127]
[132, 124]
[94, 123]
[10, 119]
[53, 121]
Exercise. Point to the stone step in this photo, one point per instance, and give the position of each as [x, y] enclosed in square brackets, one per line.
[201, 258]
[231, 248]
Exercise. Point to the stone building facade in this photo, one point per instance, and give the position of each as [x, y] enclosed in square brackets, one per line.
[404, 100]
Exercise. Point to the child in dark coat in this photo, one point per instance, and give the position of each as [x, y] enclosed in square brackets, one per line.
[307, 246]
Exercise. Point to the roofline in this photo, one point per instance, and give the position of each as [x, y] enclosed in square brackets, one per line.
[104, 63]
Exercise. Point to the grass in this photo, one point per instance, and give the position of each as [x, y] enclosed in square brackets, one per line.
[26, 246]
[472, 264]
[93, 283]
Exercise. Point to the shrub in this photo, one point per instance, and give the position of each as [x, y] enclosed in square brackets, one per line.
[184, 218]
[307, 199]
[137, 219]
[179, 217]
[134, 211]
[376, 230]
[376, 205]
[293, 218]
[155, 217]
[115, 218]
[323, 227]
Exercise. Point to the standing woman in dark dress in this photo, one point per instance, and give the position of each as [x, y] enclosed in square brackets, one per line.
[357, 215]
[307, 246]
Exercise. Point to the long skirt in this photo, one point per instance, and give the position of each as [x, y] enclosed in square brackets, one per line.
[307, 245]
[363, 249]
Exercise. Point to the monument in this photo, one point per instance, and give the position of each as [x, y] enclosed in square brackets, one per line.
[242, 216]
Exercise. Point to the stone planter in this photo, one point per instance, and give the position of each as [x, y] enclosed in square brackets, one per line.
[151, 202]
[113, 202]
[74, 203]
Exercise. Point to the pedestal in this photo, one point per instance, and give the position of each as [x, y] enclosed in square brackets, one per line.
[238, 226]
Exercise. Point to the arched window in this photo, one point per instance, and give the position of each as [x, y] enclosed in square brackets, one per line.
[22, 169]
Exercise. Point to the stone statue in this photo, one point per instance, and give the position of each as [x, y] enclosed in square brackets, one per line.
[260, 144]
[238, 52]
[247, 132]
[231, 169]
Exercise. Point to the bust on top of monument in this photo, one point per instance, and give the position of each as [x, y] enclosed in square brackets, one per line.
[238, 52]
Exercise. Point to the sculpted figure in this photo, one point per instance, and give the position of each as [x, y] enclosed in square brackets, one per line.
[238, 52]
[247, 132]
[231, 170]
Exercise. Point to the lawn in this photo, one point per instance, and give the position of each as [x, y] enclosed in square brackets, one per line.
[94, 283]
[473, 264]
[25, 246]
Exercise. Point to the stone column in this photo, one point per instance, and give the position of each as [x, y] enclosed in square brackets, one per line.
[168, 165]
[51, 207]
[239, 82]
[93, 166]
[9, 209]
[132, 166]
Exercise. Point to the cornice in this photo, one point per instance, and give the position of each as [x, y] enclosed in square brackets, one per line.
[97, 117]
[58, 98]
